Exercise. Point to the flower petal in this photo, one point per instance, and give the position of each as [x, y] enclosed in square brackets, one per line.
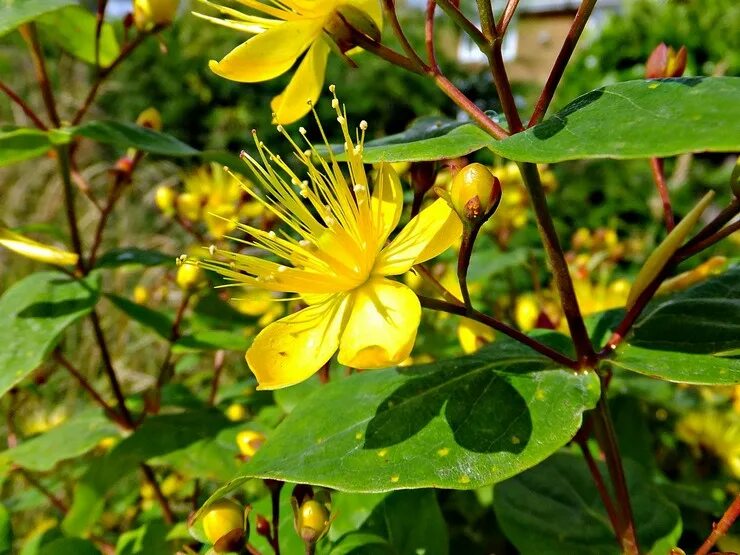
[305, 85]
[35, 250]
[430, 233]
[268, 54]
[290, 350]
[382, 325]
[386, 203]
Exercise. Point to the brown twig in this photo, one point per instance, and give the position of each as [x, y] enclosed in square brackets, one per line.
[600, 485]
[503, 86]
[656, 165]
[53, 499]
[28, 32]
[151, 478]
[558, 68]
[275, 490]
[69, 204]
[390, 11]
[460, 310]
[506, 16]
[429, 34]
[467, 105]
[99, 19]
[10, 93]
[690, 250]
[722, 527]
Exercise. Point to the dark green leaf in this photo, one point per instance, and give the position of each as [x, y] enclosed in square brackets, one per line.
[157, 436]
[149, 539]
[127, 135]
[211, 340]
[362, 543]
[73, 29]
[133, 256]
[33, 314]
[554, 508]
[69, 546]
[460, 424]
[21, 144]
[678, 337]
[70, 439]
[159, 322]
[643, 118]
[6, 531]
[18, 12]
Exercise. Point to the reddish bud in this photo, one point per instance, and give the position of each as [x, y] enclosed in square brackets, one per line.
[665, 62]
[263, 527]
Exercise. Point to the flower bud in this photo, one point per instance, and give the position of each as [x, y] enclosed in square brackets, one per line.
[188, 275]
[150, 118]
[249, 442]
[221, 518]
[345, 21]
[141, 294]
[474, 192]
[164, 198]
[665, 62]
[149, 13]
[263, 527]
[312, 521]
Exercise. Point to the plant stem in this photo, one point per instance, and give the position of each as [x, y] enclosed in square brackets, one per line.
[460, 310]
[28, 32]
[390, 11]
[99, 19]
[656, 165]
[218, 365]
[53, 499]
[388, 54]
[429, 34]
[463, 262]
[467, 105]
[487, 21]
[600, 485]
[149, 476]
[604, 431]
[558, 68]
[561, 274]
[446, 294]
[475, 34]
[275, 498]
[69, 205]
[10, 93]
[722, 527]
[509, 10]
[727, 214]
[690, 250]
[503, 87]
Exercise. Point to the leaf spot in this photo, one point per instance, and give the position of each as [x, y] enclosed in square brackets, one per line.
[382, 452]
[464, 479]
[443, 452]
[395, 478]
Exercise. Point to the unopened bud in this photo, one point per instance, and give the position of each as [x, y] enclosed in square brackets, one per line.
[263, 527]
[312, 521]
[665, 62]
[345, 21]
[221, 518]
[149, 13]
[164, 198]
[474, 192]
[249, 442]
[423, 176]
[150, 118]
[188, 275]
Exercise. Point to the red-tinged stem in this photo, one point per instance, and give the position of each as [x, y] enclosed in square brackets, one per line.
[446, 294]
[28, 32]
[275, 498]
[600, 485]
[390, 11]
[461, 310]
[218, 365]
[99, 19]
[429, 34]
[10, 93]
[475, 34]
[722, 527]
[559, 265]
[467, 105]
[691, 250]
[53, 499]
[509, 10]
[727, 214]
[151, 478]
[558, 68]
[503, 87]
[63, 160]
[656, 165]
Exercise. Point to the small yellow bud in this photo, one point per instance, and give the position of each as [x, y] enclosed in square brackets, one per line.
[149, 13]
[141, 294]
[150, 118]
[221, 518]
[312, 521]
[236, 412]
[164, 198]
[474, 191]
[188, 276]
[249, 442]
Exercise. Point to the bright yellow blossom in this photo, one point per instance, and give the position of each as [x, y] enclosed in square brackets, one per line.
[290, 28]
[335, 255]
[34, 250]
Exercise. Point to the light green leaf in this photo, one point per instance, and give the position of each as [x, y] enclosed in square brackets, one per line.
[33, 314]
[149, 539]
[634, 119]
[6, 531]
[73, 29]
[69, 546]
[71, 439]
[127, 135]
[554, 508]
[18, 12]
[461, 423]
[22, 144]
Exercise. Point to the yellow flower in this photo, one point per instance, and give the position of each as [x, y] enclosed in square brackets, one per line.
[336, 257]
[34, 250]
[473, 335]
[291, 28]
[148, 13]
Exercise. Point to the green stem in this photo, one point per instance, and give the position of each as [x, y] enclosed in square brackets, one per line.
[487, 21]
[558, 264]
[69, 205]
[454, 13]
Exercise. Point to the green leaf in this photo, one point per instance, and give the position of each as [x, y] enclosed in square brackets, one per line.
[554, 508]
[211, 340]
[33, 314]
[461, 424]
[362, 543]
[127, 135]
[679, 337]
[69, 546]
[6, 531]
[159, 322]
[644, 118]
[71, 439]
[73, 29]
[18, 12]
[21, 144]
[149, 539]
[157, 436]
[133, 256]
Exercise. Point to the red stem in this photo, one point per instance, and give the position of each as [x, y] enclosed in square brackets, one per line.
[722, 527]
[509, 10]
[28, 32]
[600, 485]
[429, 34]
[656, 165]
[10, 93]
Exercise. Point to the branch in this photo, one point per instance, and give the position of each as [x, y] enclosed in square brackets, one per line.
[467, 105]
[656, 165]
[558, 68]
[28, 32]
[390, 11]
[475, 34]
[10, 93]
[460, 310]
[487, 21]
[429, 35]
[69, 204]
[99, 19]
[722, 527]
[509, 10]
[600, 485]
